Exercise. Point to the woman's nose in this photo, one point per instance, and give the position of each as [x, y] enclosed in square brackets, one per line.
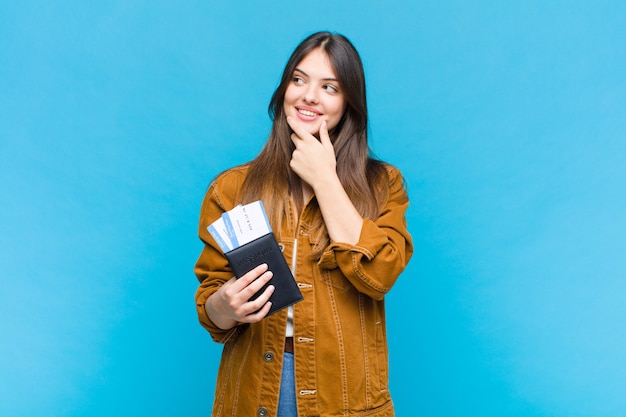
[310, 96]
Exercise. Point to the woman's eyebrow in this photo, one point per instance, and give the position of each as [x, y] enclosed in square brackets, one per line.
[307, 75]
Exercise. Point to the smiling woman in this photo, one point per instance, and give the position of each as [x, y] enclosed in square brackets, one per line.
[340, 217]
[507, 120]
[314, 93]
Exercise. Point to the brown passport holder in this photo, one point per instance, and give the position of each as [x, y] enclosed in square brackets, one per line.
[265, 250]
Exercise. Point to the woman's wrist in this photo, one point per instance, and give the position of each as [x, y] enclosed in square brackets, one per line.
[328, 183]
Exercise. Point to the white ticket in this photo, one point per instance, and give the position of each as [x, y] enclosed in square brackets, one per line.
[240, 225]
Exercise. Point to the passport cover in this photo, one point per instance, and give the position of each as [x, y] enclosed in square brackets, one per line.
[265, 250]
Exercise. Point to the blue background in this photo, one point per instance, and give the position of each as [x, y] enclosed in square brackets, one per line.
[508, 120]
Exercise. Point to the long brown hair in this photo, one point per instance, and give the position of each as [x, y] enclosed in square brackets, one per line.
[364, 178]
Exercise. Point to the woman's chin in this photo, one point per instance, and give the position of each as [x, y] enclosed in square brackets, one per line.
[313, 129]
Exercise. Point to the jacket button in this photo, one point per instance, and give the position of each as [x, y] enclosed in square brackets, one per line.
[268, 356]
[261, 412]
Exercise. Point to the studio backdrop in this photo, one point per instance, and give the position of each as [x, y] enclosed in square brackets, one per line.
[507, 119]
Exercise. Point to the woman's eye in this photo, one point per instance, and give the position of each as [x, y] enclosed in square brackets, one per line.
[298, 80]
[331, 88]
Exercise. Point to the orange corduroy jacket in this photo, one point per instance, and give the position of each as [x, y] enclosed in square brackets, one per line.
[340, 345]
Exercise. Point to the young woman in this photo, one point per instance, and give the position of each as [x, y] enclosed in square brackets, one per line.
[339, 214]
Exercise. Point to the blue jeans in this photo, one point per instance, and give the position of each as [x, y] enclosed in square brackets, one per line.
[287, 398]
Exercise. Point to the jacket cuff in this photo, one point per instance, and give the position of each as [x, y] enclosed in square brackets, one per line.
[371, 240]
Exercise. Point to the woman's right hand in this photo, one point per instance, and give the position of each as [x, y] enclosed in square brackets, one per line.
[230, 304]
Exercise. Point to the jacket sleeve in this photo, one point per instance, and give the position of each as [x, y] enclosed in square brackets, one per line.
[384, 247]
[212, 269]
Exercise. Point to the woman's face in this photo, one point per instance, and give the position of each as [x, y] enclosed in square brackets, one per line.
[314, 94]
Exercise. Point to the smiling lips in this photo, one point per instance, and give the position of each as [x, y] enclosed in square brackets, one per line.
[307, 113]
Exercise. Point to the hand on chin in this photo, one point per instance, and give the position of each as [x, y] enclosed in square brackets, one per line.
[312, 127]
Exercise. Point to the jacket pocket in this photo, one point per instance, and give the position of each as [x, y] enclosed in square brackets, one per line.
[382, 355]
[379, 359]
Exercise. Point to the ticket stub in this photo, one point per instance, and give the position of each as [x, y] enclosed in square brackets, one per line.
[242, 224]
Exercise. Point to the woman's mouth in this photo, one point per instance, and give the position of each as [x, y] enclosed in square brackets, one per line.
[307, 113]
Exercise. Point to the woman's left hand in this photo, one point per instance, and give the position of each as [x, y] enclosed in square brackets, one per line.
[313, 160]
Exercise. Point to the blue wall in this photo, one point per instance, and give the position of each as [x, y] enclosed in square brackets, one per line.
[508, 120]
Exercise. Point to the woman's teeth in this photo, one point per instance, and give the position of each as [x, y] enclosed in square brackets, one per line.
[307, 113]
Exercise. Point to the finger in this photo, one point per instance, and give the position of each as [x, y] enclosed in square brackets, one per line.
[258, 308]
[300, 131]
[258, 315]
[260, 301]
[227, 290]
[256, 285]
[324, 136]
[292, 123]
[295, 139]
[250, 276]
